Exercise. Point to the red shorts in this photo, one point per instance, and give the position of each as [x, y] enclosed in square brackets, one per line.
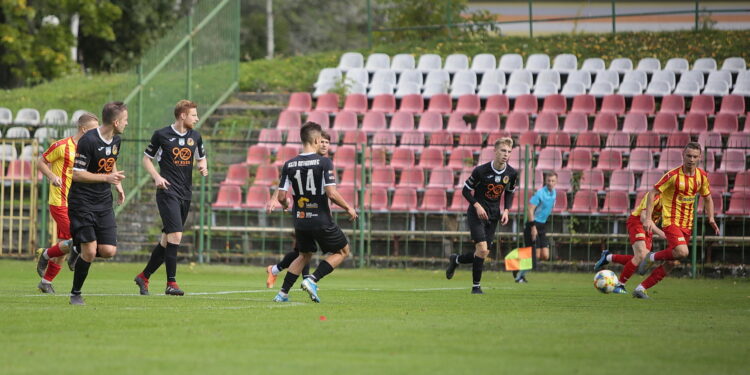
[637, 233]
[677, 236]
[60, 215]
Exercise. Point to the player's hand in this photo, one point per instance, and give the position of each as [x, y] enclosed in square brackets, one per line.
[284, 204]
[271, 205]
[115, 178]
[481, 213]
[57, 181]
[161, 183]
[649, 226]
[203, 169]
[534, 233]
[712, 223]
[352, 214]
[504, 218]
[120, 195]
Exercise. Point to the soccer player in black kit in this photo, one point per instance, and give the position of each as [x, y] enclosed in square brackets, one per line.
[92, 217]
[484, 188]
[176, 149]
[312, 177]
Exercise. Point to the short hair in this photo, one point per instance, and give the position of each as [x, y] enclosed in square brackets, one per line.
[694, 146]
[307, 133]
[86, 118]
[112, 110]
[504, 141]
[549, 174]
[325, 135]
[183, 106]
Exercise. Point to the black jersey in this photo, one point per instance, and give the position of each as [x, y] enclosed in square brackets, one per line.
[95, 155]
[176, 153]
[489, 184]
[309, 174]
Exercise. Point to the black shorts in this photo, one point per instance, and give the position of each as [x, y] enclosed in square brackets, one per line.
[330, 240]
[481, 230]
[89, 226]
[173, 212]
[541, 235]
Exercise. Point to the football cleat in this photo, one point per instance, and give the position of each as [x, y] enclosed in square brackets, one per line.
[142, 285]
[174, 290]
[73, 258]
[451, 266]
[281, 298]
[309, 286]
[41, 263]
[620, 289]
[640, 294]
[602, 261]
[476, 290]
[522, 280]
[271, 279]
[645, 264]
[46, 288]
[76, 299]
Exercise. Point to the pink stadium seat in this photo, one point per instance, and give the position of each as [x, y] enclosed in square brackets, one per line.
[746, 128]
[664, 123]
[739, 140]
[724, 123]
[18, 170]
[383, 177]
[345, 157]
[585, 202]
[733, 161]
[670, 158]
[708, 163]
[610, 160]
[256, 198]
[442, 140]
[431, 122]
[355, 137]
[641, 159]
[703, 104]
[719, 181]
[648, 140]
[413, 140]
[584, 103]
[678, 140]
[643, 103]
[374, 121]
[589, 140]
[434, 200]
[526, 104]
[561, 201]
[257, 155]
[461, 158]
[622, 180]
[579, 159]
[618, 140]
[638, 197]
[532, 139]
[456, 123]
[550, 159]
[402, 122]
[497, 104]
[229, 196]
[648, 180]
[563, 180]
[741, 181]
[441, 178]
[458, 203]
[695, 123]
[494, 136]
[486, 155]
[576, 122]
[468, 104]
[350, 196]
[718, 203]
[384, 140]
[559, 140]
[237, 174]
[285, 153]
[739, 204]
[293, 139]
[635, 123]
[321, 118]
[592, 179]
[376, 156]
[266, 175]
[327, 103]
[355, 103]
[555, 104]
[673, 104]
[440, 103]
[517, 158]
[431, 158]
[412, 178]
[385, 103]
[605, 123]
[300, 102]
[472, 140]
[270, 138]
[413, 103]
[614, 103]
[546, 122]
[404, 200]
[350, 177]
[289, 120]
[616, 203]
[345, 120]
[488, 122]
[376, 199]
[711, 141]
[733, 105]
[517, 122]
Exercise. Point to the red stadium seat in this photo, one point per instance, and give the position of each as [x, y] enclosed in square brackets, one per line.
[555, 104]
[592, 179]
[719, 181]
[546, 122]
[349, 195]
[18, 170]
[584, 103]
[300, 102]
[605, 123]
[526, 104]
[678, 140]
[431, 122]
[441, 178]
[732, 104]
[413, 140]
[345, 157]
[613, 103]
[648, 140]
[289, 120]
[517, 123]
[327, 103]
[458, 202]
[376, 156]
[293, 139]
[563, 180]
[641, 159]
[285, 153]
[270, 138]
[708, 163]
[532, 139]
[718, 203]
[695, 123]
[622, 180]
[589, 140]
[610, 160]
[266, 175]
[413, 103]
[739, 140]
[579, 159]
[739, 204]
[493, 137]
[461, 158]
[673, 104]
[643, 103]
[741, 181]
[440, 103]
[703, 104]
[648, 180]
[257, 155]
[355, 103]
[468, 104]
[585, 202]
[442, 140]
[456, 123]
[431, 158]
[616, 203]
[256, 198]
[670, 158]
[576, 122]
[228, 197]
[733, 161]
[376, 199]
[725, 123]
[355, 137]
[550, 159]
[488, 122]
[486, 155]
[321, 118]
[350, 177]
[385, 140]
[402, 122]
[711, 141]
[498, 104]
[635, 123]
[561, 201]
[412, 178]
[618, 140]
[237, 174]
[345, 120]
[664, 123]
[472, 140]
[385, 103]
[404, 200]
[374, 121]
[383, 177]
[434, 200]
[560, 141]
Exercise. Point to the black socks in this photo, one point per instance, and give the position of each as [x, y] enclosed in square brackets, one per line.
[157, 258]
[476, 269]
[79, 276]
[324, 268]
[289, 281]
[170, 261]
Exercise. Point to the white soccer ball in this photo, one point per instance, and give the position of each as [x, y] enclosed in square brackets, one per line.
[605, 281]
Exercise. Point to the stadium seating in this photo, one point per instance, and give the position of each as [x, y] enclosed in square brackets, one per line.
[579, 159]
[434, 200]
[6, 116]
[321, 118]
[739, 204]
[592, 179]
[441, 178]
[412, 178]
[412, 140]
[376, 199]
[585, 202]
[610, 160]
[383, 177]
[622, 180]
[616, 203]
[229, 197]
[497, 104]
[384, 103]
[404, 200]
[27, 116]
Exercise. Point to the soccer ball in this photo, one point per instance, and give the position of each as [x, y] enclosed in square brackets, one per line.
[605, 281]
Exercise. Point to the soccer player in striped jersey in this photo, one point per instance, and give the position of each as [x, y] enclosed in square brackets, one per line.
[677, 190]
[57, 164]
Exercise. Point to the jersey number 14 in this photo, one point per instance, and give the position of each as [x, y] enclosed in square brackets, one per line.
[309, 182]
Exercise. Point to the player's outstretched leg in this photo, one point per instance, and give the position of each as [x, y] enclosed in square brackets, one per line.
[603, 261]
[274, 270]
[170, 263]
[452, 265]
[656, 275]
[477, 266]
[154, 262]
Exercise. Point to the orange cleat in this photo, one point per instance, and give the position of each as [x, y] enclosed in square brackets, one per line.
[271, 277]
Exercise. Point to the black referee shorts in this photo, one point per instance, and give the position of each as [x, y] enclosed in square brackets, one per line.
[173, 212]
[89, 226]
[481, 230]
[541, 235]
[330, 239]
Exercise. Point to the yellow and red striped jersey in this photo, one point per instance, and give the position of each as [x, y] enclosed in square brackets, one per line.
[61, 155]
[678, 195]
[656, 213]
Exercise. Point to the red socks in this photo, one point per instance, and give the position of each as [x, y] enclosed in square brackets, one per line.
[52, 270]
[621, 259]
[664, 255]
[627, 271]
[54, 251]
[656, 276]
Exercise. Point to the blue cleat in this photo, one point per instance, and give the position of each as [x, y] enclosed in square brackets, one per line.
[309, 286]
[620, 289]
[602, 261]
[281, 297]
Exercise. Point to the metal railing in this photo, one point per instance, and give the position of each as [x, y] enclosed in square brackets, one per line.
[19, 183]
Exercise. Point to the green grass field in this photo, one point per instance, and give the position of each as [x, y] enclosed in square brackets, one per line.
[377, 321]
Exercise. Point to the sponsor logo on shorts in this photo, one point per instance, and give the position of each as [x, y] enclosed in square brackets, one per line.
[640, 235]
[681, 239]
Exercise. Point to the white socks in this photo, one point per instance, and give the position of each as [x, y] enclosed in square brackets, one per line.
[275, 270]
[609, 258]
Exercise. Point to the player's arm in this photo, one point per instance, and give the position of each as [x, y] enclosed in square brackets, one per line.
[468, 193]
[335, 197]
[147, 162]
[510, 191]
[283, 187]
[709, 204]
[646, 215]
[273, 202]
[202, 160]
[51, 176]
[118, 186]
